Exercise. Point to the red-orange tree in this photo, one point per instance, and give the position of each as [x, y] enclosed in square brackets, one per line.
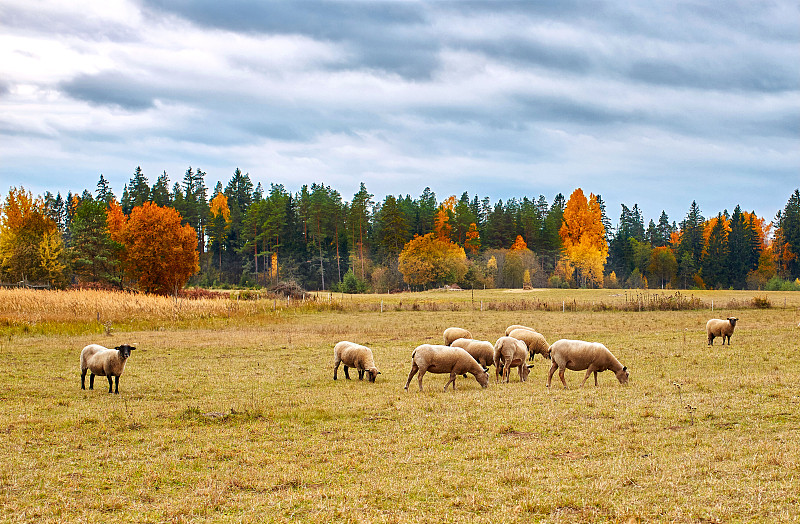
[426, 259]
[157, 251]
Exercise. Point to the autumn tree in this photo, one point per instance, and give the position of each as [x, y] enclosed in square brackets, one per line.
[157, 251]
[426, 259]
[444, 218]
[473, 240]
[220, 223]
[663, 266]
[583, 235]
[27, 234]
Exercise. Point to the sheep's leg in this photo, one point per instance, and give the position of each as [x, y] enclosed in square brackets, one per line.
[83, 379]
[421, 373]
[710, 339]
[561, 376]
[453, 380]
[116, 385]
[346, 373]
[414, 369]
[595, 378]
[360, 374]
[91, 381]
[506, 371]
[110, 383]
[336, 368]
[553, 368]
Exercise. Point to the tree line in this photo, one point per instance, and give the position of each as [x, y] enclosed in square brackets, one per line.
[162, 236]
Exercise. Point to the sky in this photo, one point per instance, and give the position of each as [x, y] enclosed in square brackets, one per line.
[655, 103]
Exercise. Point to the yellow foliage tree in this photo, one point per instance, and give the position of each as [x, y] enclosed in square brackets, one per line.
[221, 222]
[442, 225]
[426, 259]
[473, 240]
[519, 244]
[584, 238]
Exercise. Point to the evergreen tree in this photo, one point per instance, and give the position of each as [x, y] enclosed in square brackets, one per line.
[92, 251]
[787, 237]
[103, 190]
[427, 211]
[159, 194]
[392, 227]
[714, 270]
[664, 230]
[136, 192]
[740, 256]
[358, 222]
[691, 242]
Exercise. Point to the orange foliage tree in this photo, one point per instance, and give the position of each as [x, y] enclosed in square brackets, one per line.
[584, 238]
[30, 246]
[221, 223]
[426, 259]
[156, 250]
[473, 240]
[519, 244]
[442, 223]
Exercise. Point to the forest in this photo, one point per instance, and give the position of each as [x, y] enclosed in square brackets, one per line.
[160, 238]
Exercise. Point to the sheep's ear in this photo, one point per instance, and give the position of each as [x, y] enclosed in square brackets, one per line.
[485, 370]
[530, 366]
[624, 368]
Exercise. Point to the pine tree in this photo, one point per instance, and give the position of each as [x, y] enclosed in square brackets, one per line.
[159, 194]
[715, 257]
[136, 192]
[103, 190]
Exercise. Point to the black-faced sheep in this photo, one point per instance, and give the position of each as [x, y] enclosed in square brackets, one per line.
[104, 362]
[510, 352]
[535, 341]
[452, 334]
[720, 328]
[578, 355]
[356, 356]
[445, 359]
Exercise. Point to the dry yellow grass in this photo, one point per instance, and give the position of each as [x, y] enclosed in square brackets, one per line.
[239, 420]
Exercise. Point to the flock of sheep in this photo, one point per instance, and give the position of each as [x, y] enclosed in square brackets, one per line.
[460, 354]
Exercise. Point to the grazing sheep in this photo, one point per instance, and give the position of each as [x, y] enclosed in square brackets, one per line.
[104, 362]
[454, 333]
[578, 355]
[512, 327]
[510, 352]
[445, 359]
[535, 341]
[720, 328]
[356, 356]
[481, 350]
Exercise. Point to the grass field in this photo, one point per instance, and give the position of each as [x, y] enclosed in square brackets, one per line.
[228, 413]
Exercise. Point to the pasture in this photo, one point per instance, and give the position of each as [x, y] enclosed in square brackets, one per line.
[228, 413]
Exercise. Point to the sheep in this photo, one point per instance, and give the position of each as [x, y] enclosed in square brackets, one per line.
[720, 328]
[535, 341]
[578, 355]
[510, 352]
[454, 333]
[104, 362]
[481, 350]
[354, 355]
[512, 327]
[445, 359]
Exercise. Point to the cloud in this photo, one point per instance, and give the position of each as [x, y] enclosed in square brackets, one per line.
[111, 88]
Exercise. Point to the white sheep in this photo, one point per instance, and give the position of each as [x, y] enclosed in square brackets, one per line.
[454, 333]
[535, 341]
[445, 359]
[512, 327]
[356, 356]
[720, 328]
[481, 350]
[510, 352]
[104, 362]
[578, 355]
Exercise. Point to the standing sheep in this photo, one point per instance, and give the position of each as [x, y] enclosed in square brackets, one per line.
[535, 341]
[481, 350]
[452, 334]
[578, 355]
[445, 359]
[510, 352]
[104, 362]
[356, 356]
[512, 327]
[720, 328]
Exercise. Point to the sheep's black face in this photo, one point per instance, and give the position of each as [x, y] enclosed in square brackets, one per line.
[732, 320]
[373, 374]
[125, 350]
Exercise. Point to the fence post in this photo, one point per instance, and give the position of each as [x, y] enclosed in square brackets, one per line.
[712, 304]
[481, 305]
[562, 306]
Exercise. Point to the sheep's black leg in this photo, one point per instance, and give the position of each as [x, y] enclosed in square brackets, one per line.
[346, 373]
[360, 374]
[83, 379]
[116, 385]
[110, 383]
[335, 369]
[91, 381]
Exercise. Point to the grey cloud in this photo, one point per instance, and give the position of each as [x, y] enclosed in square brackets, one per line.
[384, 36]
[109, 88]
